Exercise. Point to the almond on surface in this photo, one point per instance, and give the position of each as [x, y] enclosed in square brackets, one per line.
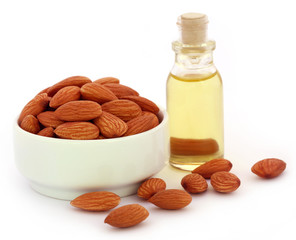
[30, 124]
[127, 216]
[150, 187]
[82, 110]
[46, 132]
[225, 182]
[78, 81]
[96, 201]
[144, 103]
[194, 183]
[269, 167]
[121, 90]
[124, 109]
[37, 105]
[171, 199]
[110, 126]
[77, 131]
[215, 165]
[64, 95]
[97, 92]
[106, 80]
[49, 119]
[141, 124]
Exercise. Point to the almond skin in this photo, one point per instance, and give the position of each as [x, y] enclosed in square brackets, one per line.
[49, 119]
[144, 103]
[106, 80]
[77, 130]
[110, 126]
[127, 216]
[97, 92]
[269, 168]
[37, 105]
[46, 132]
[81, 110]
[215, 165]
[121, 90]
[124, 109]
[171, 199]
[150, 187]
[78, 81]
[194, 183]
[141, 124]
[30, 124]
[64, 95]
[225, 182]
[96, 201]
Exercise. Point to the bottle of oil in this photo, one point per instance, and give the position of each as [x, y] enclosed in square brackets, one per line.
[194, 97]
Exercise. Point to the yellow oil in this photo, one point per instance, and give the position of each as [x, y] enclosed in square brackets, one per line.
[195, 108]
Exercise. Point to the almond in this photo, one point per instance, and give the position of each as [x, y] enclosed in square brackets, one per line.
[110, 126]
[106, 80]
[144, 103]
[141, 124]
[96, 201]
[121, 90]
[192, 147]
[97, 92]
[81, 110]
[269, 168]
[150, 187]
[37, 105]
[194, 183]
[124, 109]
[78, 81]
[225, 182]
[64, 95]
[127, 216]
[47, 132]
[30, 124]
[49, 119]
[215, 165]
[171, 199]
[77, 130]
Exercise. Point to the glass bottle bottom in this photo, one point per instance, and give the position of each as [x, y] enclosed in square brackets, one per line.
[189, 163]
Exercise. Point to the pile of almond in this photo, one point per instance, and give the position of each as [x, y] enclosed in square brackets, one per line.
[154, 190]
[78, 108]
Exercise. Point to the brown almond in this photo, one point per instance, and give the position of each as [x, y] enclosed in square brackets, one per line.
[30, 124]
[37, 105]
[215, 165]
[194, 183]
[150, 187]
[97, 92]
[49, 119]
[46, 132]
[110, 126]
[127, 216]
[141, 124]
[124, 109]
[77, 130]
[106, 80]
[269, 167]
[121, 90]
[81, 110]
[225, 182]
[144, 103]
[171, 199]
[64, 95]
[78, 81]
[96, 201]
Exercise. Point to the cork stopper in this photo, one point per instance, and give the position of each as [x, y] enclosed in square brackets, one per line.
[193, 28]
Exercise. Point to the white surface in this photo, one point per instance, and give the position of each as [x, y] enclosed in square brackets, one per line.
[43, 42]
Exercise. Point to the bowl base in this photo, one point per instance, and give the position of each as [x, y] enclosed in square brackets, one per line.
[70, 194]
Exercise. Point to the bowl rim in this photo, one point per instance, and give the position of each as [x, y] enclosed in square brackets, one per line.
[139, 135]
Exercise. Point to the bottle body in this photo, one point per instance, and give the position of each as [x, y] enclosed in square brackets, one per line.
[195, 107]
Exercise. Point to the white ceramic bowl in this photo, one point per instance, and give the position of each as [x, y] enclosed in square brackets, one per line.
[65, 169]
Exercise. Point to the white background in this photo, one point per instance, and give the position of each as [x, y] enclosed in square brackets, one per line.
[43, 42]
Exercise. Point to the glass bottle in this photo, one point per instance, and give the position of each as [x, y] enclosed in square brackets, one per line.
[194, 97]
